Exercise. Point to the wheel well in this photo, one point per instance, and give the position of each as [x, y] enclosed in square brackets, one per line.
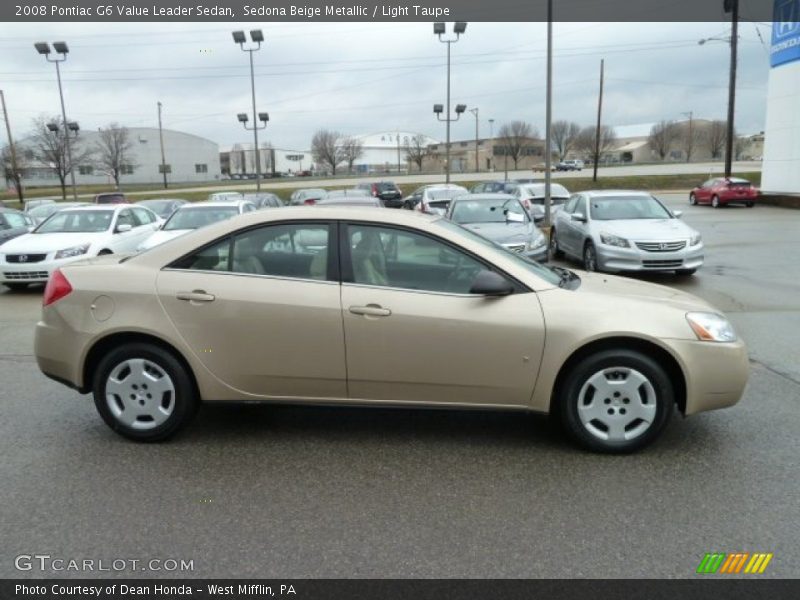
[108, 343]
[657, 353]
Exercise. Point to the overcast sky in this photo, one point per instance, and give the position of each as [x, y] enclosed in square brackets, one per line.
[365, 78]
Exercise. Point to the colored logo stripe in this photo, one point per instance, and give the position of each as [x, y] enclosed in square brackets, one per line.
[721, 562]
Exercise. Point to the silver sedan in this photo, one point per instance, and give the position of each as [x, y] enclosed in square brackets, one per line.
[625, 231]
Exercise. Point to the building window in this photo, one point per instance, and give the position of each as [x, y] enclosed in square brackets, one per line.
[434, 147]
[126, 169]
[201, 168]
[85, 170]
[164, 169]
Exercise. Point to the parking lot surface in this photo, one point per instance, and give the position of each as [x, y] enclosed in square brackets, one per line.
[261, 491]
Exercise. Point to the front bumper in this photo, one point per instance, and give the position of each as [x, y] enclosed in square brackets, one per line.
[33, 272]
[716, 373]
[613, 258]
[392, 202]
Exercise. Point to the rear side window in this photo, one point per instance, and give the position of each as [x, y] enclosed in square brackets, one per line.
[142, 216]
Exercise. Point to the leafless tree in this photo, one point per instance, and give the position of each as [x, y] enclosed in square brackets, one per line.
[114, 151]
[515, 137]
[564, 134]
[715, 138]
[587, 141]
[50, 149]
[326, 150]
[236, 159]
[14, 165]
[417, 150]
[351, 150]
[690, 138]
[662, 136]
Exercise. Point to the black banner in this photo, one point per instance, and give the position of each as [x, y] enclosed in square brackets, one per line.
[738, 588]
[379, 11]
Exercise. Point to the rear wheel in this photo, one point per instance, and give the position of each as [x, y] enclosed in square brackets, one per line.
[749, 204]
[715, 202]
[589, 257]
[615, 401]
[143, 392]
[692, 199]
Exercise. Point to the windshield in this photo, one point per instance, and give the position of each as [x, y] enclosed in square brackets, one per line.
[197, 216]
[556, 191]
[45, 210]
[74, 221]
[531, 265]
[611, 208]
[489, 211]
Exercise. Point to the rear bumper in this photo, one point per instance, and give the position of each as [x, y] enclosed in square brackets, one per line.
[57, 353]
[392, 202]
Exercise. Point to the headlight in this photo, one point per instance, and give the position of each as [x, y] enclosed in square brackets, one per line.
[537, 242]
[711, 327]
[609, 239]
[695, 239]
[74, 251]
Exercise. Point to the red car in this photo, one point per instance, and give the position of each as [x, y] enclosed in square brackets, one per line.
[110, 198]
[721, 191]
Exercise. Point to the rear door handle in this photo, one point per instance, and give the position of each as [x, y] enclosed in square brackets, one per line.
[370, 310]
[195, 296]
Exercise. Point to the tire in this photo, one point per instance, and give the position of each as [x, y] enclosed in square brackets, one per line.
[749, 204]
[633, 416]
[715, 202]
[134, 367]
[590, 257]
[685, 272]
[104, 252]
[16, 287]
[555, 251]
[692, 199]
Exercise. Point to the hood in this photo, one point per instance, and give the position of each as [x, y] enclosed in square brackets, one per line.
[161, 236]
[641, 290]
[43, 243]
[646, 229]
[505, 232]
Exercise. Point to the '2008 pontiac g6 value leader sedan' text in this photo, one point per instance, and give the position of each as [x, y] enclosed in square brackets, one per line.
[298, 306]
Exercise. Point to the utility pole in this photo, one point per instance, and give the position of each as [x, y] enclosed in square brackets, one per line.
[599, 118]
[690, 140]
[161, 140]
[11, 148]
[474, 111]
[398, 152]
[548, 155]
[732, 6]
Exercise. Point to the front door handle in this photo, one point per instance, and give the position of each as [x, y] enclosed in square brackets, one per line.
[370, 310]
[195, 296]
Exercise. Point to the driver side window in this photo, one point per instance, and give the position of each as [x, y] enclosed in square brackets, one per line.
[396, 258]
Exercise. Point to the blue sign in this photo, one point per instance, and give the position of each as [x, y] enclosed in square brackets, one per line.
[785, 32]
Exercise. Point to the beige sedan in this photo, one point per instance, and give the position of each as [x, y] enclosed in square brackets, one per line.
[390, 308]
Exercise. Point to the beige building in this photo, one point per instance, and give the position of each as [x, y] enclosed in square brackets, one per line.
[492, 155]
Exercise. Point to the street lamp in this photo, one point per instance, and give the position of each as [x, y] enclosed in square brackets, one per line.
[243, 118]
[257, 37]
[61, 48]
[474, 111]
[439, 30]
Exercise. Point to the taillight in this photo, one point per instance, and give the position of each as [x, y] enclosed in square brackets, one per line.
[57, 287]
[310, 201]
[374, 190]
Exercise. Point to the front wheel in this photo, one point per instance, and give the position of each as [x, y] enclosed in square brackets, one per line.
[615, 401]
[143, 392]
[589, 257]
[715, 202]
[692, 199]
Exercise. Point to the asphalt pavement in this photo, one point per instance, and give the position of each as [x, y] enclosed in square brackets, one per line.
[259, 491]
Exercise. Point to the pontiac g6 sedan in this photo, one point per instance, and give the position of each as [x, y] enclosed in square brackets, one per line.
[299, 306]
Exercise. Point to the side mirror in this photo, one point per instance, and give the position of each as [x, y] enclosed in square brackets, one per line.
[578, 217]
[489, 283]
[123, 227]
[677, 214]
[538, 218]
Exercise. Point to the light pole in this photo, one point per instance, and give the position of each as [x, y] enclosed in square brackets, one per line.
[474, 111]
[491, 141]
[264, 118]
[731, 6]
[61, 48]
[72, 127]
[257, 37]
[439, 29]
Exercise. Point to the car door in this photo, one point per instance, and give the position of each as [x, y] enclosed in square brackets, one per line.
[124, 241]
[568, 231]
[146, 222]
[261, 310]
[414, 333]
[705, 191]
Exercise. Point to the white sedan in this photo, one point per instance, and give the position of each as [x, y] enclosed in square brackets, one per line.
[193, 216]
[73, 234]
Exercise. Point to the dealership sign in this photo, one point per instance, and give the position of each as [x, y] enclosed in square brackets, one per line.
[785, 32]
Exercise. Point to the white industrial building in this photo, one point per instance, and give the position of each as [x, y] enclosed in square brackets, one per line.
[781, 170]
[189, 159]
[384, 151]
